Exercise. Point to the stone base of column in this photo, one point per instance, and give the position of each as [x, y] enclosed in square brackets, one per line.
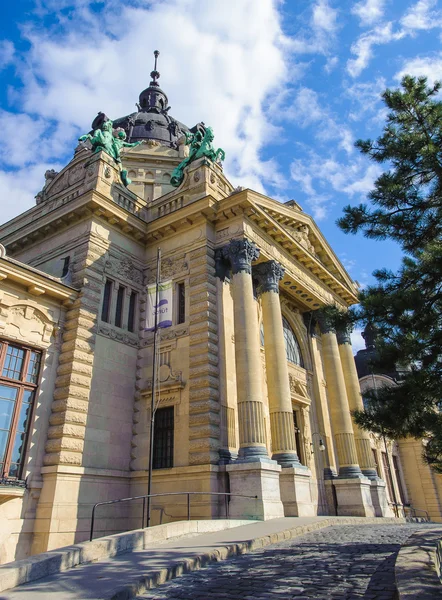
[379, 498]
[226, 456]
[353, 497]
[255, 479]
[296, 494]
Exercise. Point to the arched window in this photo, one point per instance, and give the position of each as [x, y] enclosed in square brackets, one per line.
[292, 348]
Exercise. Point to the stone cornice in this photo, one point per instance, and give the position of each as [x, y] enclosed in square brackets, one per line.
[36, 282]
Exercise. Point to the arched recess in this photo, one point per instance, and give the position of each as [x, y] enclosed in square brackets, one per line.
[297, 326]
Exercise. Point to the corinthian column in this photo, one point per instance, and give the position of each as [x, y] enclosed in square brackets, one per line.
[362, 438]
[252, 439]
[339, 408]
[280, 405]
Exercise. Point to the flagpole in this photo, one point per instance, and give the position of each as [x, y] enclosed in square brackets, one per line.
[154, 382]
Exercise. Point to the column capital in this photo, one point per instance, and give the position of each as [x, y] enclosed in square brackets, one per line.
[325, 322]
[241, 254]
[343, 333]
[268, 275]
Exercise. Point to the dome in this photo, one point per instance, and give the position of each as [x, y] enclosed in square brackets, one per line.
[152, 121]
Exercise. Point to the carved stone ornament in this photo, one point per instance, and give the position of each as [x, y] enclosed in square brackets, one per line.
[222, 265]
[2, 251]
[124, 269]
[241, 254]
[268, 274]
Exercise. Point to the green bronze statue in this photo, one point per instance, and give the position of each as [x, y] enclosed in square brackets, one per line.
[111, 142]
[201, 144]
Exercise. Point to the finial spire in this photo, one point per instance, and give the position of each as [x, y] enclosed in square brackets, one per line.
[155, 74]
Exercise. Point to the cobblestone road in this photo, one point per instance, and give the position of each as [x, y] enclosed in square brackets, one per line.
[346, 562]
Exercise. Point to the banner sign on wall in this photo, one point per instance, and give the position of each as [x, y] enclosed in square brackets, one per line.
[164, 308]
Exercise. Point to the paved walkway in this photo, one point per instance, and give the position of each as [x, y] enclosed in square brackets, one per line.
[346, 562]
[343, 561]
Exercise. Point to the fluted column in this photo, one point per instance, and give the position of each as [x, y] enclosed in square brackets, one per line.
[339, 409]
[252, 441]
[280, 405]
[362, 438]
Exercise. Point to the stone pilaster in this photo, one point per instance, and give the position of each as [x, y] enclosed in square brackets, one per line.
[74, 375]
[241, 254]
[268, 275]
[362, 438]
[204, 408]
[339, 409]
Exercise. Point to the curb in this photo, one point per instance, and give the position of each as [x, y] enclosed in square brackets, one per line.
[415, 569]
[217, 554]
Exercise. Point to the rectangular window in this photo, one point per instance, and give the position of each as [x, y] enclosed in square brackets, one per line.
[19, 368]
[132, 309]
[66, 263]
[388, 478]
[163, 438]
[297, 434]
[119, 307]
[181, 293]
[398, 478]
[105, 311]
[375, 460]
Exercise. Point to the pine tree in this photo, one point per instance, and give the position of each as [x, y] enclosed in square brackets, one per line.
[406, 306]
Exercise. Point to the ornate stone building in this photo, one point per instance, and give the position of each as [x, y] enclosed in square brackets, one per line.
[255, 391]
[411, 483]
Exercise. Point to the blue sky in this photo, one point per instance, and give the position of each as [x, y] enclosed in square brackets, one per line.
[287, 86]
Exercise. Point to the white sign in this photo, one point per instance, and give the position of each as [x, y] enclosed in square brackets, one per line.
[164, 308]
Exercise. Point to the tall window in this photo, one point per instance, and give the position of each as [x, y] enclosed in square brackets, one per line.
[297, 433]
[120, 304]
[19, 372]
[105, 311]
[181, 302]
[163, 438]
[388, 478]
[398, 478]
[292, 348]
[132, 308]
[66, 263]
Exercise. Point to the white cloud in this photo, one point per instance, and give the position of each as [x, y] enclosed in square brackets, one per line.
[324, 16]
[369, 11]
[421, 16]
[305, 110]
[18, 188]
[87, 64]
[363, 47]
[319, 176]
[321, 35]
[7, 52]
[423, 66]
[367, 99]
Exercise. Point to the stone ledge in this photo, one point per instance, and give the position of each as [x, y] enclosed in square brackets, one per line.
[55, 561]
[415, 569]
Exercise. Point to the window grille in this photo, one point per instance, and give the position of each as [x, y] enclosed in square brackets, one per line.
[163, 438]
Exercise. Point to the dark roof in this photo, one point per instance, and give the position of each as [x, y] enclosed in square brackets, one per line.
[152, 121]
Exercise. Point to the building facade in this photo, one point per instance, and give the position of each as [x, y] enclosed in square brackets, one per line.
[255, 390]
[411, 483]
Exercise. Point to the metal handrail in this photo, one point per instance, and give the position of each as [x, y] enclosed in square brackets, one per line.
[188, 494]
[413, 511]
